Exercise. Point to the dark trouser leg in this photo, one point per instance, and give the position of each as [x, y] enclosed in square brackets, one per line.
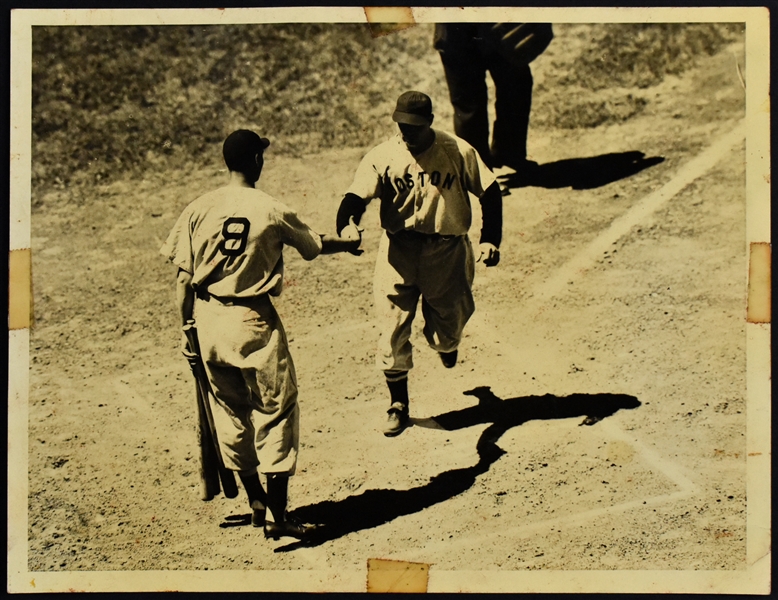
[513, 102]
[466, 78]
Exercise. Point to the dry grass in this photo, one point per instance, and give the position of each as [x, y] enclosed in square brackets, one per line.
[112, 102]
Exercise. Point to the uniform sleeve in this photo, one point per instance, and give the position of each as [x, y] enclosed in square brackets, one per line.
[367, 180]
[178, 246]
[297, 234]
[478, 177]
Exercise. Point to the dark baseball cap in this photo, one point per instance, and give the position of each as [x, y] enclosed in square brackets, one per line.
[241, 144]
[413, 108]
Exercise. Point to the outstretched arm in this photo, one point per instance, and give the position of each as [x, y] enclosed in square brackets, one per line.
[348, 241]
[491, 230]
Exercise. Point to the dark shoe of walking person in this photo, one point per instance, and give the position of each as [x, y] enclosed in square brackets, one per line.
[449, 359]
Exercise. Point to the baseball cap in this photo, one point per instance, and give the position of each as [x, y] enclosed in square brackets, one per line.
[241, 144]
[413, 108]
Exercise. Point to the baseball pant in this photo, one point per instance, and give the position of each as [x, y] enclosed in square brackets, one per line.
[437, 269]
[466, 77]
[254, 404]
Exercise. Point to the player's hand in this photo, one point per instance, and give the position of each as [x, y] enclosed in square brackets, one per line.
[353, 233]
[186, 350]
[488, 254]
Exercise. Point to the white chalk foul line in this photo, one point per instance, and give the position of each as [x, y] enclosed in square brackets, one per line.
[524, 531]
[692, 170]
[648, 456]
[672, 471]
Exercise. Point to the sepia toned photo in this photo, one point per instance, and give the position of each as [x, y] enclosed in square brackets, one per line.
[390, 300]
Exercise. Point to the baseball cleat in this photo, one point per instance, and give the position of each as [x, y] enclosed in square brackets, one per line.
[398, 420]
[290, 527]
[449, 359]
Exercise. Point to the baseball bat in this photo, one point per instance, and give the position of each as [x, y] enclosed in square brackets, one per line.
[209, 463]
[212, 469]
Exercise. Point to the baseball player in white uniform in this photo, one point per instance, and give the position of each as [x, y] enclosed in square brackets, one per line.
[423, 178]
[228, 246]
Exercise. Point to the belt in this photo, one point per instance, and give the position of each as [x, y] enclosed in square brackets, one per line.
[206, 296]
[412, 234]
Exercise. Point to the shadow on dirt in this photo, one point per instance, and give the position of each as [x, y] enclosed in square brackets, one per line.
[378, 506]
[583, 173]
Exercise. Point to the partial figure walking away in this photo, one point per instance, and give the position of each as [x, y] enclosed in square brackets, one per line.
[423, 178]
[505, 50]
[228, 247]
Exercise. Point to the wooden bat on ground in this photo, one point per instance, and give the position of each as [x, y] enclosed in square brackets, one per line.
[212, 468]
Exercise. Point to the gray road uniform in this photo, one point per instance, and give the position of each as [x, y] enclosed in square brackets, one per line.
[425, 250]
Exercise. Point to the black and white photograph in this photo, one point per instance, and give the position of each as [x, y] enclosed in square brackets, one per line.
[390, 300]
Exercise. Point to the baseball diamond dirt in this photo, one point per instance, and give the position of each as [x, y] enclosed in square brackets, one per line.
[595, 421]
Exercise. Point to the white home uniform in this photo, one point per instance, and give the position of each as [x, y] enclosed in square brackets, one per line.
[231, 241]
[425, 251]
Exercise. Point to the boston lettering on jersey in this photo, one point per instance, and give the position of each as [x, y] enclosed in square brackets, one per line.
[423, 178]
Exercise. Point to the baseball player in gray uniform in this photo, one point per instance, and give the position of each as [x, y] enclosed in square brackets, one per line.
[423, 178]
[228, 246]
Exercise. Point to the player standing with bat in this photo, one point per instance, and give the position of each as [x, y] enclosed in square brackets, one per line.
[228, 247]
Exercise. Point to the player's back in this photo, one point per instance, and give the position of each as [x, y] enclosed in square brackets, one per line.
[237, 236]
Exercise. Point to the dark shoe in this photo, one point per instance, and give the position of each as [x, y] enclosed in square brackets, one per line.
[449, 359]
[290, 527]
[397, 421]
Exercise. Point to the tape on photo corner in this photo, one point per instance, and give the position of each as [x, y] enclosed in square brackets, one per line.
[759, 278]
[20, 289]
[396, 576]
[383, 20]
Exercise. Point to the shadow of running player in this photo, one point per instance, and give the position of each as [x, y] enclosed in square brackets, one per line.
[370, 508]
[582, 173]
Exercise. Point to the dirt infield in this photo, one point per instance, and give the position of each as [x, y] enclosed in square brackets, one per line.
[598, 427]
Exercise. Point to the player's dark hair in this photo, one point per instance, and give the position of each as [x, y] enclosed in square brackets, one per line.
[241, 147]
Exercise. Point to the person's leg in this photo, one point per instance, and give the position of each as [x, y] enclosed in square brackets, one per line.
[396, 298]
[447, 270]
[269, 373]
[466, 78]
[277, 499]
[513, 102]
[256, 494]
[218, 328]
[397, 382]
[268, 370]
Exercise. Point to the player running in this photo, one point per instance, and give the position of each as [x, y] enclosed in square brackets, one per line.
[423, 178]
[228, 246]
